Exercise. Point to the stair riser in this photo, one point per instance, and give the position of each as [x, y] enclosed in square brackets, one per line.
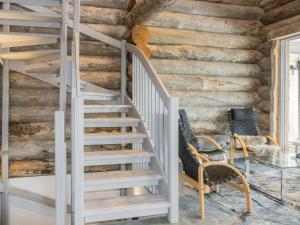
[100, 98]
[105, 125]
[129, 213]
[116, 161]
[114, 141]
[120, 185]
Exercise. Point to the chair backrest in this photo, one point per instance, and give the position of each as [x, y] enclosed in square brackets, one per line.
[189, 161]
[242, 121]
[188, 131]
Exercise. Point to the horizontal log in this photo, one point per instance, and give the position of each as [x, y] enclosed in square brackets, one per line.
[32, 168]
[142, 35]
[263, 121]
[264, 106]
[91, 14]
[265, 64]
[216, 99]
[94, 48]
[208, 83]
[288, 30]
[34, 97]
[215, 9]
[264, 92]
[114, 4]
[87, 63]
[32, 113]
[115, 31]
[265, 48]
[170, 66]
[283, 12]
[237, 2]
[210, 127]
[202, 53]
[267, 5]
[109, 80]
[205, 23]
[145, 10]
[107, 64]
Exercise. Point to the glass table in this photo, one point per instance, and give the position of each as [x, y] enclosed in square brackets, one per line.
[285, 163]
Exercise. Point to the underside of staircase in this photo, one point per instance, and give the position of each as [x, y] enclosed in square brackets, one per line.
[115, 146]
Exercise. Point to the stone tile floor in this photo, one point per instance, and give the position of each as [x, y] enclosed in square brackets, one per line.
[228, 208]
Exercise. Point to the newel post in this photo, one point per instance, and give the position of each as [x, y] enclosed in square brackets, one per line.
[173, 157]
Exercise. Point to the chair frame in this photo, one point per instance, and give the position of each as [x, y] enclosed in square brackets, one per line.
[235, 138]
[202, 188]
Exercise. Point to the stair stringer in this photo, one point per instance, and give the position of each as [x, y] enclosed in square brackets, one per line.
[149, 146]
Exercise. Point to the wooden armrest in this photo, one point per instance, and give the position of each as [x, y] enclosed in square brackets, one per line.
[211, 140]
[272, 140]
[200, 157]
[242, 143]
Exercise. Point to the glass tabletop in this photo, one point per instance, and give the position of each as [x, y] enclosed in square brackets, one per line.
[282, 161]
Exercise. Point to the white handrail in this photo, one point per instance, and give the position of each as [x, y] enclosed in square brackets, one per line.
[158, 111]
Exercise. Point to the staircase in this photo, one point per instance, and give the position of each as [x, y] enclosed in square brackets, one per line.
[143, 130]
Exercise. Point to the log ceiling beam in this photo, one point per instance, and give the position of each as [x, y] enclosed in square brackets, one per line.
[145, 10]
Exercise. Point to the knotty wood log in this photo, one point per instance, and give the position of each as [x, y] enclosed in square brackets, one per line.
[237, 2]
[271, 4]
[283, 12]
[208, 83]
[202, 53]
[205, 68]
[215, 9]
[265, 64]
[145, 10]
[216, 99]
[142, 35]
[95, 48]
[205, 23]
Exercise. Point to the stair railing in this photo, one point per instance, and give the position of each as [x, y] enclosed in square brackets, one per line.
[158, 111]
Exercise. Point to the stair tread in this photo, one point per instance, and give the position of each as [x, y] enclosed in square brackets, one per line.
[32, 16]
[119, 176]
[114, 135]
[27, 55]
[113, 119]
[118, 153]
[106, 106]
[103, 206]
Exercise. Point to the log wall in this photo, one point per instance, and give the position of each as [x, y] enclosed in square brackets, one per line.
[207, 54]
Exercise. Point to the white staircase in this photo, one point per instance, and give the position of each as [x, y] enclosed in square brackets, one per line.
[144, 128]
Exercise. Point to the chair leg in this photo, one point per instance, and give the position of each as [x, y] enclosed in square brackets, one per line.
[248, 194]
[201, 199]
